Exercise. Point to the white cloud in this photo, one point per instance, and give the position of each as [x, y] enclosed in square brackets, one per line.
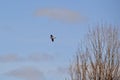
[63, 15]
[40, 57]
[35, 57]
[59, 71]
[6, 28]
[62, 70]
[10, 58]
[28, 73]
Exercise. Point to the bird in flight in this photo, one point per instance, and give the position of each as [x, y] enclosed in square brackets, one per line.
[52, 38]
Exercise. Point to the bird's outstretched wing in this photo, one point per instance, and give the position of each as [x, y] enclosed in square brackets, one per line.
[52, 40]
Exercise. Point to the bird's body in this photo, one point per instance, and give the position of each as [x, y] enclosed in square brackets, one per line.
[52, 38]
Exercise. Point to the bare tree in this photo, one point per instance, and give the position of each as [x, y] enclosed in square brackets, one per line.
[99, 57]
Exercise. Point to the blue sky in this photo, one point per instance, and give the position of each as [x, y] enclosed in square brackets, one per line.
[25, 26]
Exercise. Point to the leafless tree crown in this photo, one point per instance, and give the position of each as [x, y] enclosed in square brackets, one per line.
[99, 58]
